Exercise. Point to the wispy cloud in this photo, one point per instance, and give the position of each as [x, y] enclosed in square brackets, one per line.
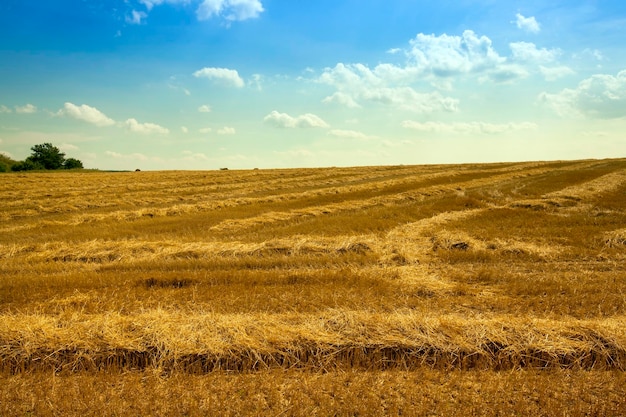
[528, 51]
[231, 10]
[348, 134]
[132, 157]
[226, 130]
[224, 76]
[284, 120]
[86, 113]
[466, 128]
[528, 24]
[5, 109]
[26, 109]
[204, 109]
[136, 17]
[554, 73]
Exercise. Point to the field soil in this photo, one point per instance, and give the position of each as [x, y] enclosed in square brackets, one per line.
[477, 289]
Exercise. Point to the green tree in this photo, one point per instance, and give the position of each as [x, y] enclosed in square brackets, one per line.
[72, 163]
[47, 155]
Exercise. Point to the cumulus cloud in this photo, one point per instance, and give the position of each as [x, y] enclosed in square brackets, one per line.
[467, 128]
[85, 113]
[432, 59]
[528, 24]
[27, 109]
[224, 76]
[5, 109]
[343, 99]
[204, 109]
[145, 128]
[284, 120]
[231, 10]
[184, 129]
[226, 131]
[600, 96]
[447, 55]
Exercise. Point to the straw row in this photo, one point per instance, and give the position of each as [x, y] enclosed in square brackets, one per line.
[329, 340]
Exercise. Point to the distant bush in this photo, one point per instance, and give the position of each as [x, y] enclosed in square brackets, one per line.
[6, 163]
[72, 163]
[27, 165]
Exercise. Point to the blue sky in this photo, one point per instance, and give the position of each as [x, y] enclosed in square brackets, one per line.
[202, 84]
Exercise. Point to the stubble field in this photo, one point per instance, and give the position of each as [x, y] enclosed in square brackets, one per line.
[485, 289]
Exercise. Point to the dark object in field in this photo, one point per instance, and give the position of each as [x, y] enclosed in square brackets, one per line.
[167, 283]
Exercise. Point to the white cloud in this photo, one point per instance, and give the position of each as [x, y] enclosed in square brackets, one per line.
[136, 17]
[527, 51]
[184, 129]
[348, 134]
[601, 96]
[204, 109]
[5, 109]
[467, 128]
[7, 154]
[231, 10]
[554, 73]
[226, 131]
[225, 76]
[529, 24]
[27, 109]
[446, 55]
[343, 99]
[86, 113]
[145, 128]
[303, 121]
[205, 130]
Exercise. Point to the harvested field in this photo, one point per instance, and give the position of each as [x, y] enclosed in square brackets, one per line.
[473, 278]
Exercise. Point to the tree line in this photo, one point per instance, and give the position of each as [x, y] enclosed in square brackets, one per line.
[44, 156]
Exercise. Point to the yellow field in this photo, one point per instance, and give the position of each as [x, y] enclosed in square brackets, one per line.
[485, 289]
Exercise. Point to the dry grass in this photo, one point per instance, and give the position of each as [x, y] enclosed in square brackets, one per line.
[374, 276]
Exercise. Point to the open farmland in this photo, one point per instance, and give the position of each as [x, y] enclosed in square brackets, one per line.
[485, 289]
